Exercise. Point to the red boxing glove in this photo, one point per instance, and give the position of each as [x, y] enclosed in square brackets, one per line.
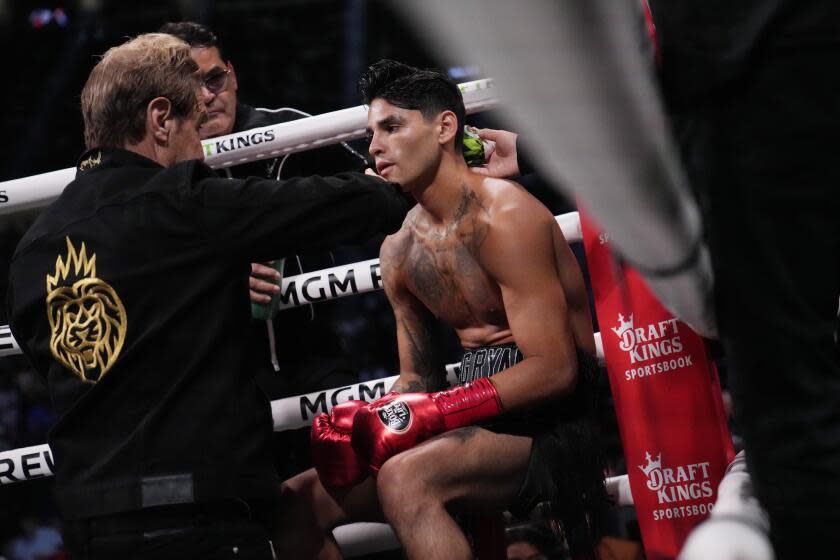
[333, 456]
[393, 424]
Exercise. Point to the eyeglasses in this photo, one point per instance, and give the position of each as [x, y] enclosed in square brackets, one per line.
[216, 81]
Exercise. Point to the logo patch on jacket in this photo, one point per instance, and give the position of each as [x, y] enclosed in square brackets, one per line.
[90, 162]
[87, 318]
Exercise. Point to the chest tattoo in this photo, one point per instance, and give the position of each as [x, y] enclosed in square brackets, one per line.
[446, 274]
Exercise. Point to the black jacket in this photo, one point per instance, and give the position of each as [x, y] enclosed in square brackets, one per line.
[136, 279]
[310, 353]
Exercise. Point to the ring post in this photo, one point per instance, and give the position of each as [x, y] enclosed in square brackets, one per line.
[667, 399]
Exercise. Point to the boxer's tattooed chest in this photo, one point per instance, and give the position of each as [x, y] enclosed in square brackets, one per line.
[445, 271]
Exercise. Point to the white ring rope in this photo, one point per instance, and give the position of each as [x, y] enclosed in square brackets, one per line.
[8, 344]
[359, 539]
[250, 145]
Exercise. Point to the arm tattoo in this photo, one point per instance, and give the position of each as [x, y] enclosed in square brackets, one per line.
[424, 355]
[412, 386]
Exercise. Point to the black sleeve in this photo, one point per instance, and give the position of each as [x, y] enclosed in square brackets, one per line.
[264, 219]
[22, 320]
[323, 161]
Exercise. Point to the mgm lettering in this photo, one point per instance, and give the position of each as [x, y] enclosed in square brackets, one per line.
[309, 408]
[375, 276]
[335, 287]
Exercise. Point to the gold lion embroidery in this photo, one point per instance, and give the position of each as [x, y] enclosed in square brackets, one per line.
[90, 162]
[87, 319]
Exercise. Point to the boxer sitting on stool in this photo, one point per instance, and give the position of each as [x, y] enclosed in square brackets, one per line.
[486, 258]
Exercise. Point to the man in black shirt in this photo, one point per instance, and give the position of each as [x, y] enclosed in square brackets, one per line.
[298, 350]
[129, 295]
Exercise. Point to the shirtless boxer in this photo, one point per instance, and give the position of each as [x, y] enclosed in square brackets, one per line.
[484, 257]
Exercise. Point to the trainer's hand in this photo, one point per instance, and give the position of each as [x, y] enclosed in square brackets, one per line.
[395, 423]
[501, 159]
[263, 283]
[336, 462]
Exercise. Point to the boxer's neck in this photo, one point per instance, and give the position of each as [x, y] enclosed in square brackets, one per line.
[442, 196]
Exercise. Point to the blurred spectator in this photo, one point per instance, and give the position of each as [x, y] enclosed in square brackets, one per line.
[614, 548]
[37, 542]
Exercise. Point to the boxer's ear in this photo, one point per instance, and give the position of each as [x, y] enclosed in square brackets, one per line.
[448, 128]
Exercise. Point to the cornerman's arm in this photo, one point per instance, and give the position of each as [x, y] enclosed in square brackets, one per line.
[518, 253]
[261, 219]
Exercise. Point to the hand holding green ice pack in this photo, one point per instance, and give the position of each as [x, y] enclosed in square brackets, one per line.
[474, 147]
[264, 311]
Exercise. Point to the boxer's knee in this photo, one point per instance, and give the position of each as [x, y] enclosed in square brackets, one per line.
[406, 485]
[300, 489]
[304, 497]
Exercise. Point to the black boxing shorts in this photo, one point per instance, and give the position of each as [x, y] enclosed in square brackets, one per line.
[565, 468]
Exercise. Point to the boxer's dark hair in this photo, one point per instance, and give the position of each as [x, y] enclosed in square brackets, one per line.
[195, 35]
[428, 91]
